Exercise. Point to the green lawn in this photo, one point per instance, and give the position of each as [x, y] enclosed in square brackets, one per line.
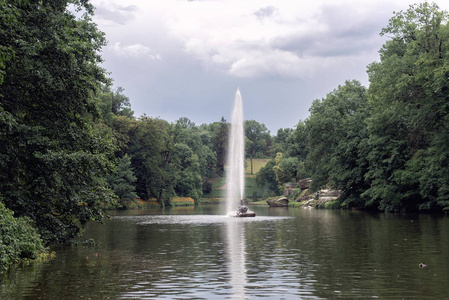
[258, 163]
[218, 184]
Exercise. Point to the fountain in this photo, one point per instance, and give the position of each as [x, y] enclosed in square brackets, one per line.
[235, 177]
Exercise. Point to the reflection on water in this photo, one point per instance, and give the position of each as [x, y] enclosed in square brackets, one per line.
[235, 233]
[198, 253]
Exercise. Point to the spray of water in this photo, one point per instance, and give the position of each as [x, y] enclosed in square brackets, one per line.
[236, 158]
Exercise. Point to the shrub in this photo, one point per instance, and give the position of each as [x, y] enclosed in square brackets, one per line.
[183, 201]
[207, 187]
[19, 241]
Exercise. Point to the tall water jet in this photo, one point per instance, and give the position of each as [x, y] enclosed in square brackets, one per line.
[235, 177]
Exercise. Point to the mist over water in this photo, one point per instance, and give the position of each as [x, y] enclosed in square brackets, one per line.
[236, 158]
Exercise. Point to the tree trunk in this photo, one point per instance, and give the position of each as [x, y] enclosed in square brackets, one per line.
[251, 159]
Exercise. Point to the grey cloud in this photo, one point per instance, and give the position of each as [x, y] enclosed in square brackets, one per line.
[326, 45]
[353, 23]
[117, 13]
[348, 32]
[297, 43]
[265, 12]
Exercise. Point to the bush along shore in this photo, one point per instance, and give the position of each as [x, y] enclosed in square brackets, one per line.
[19, 240]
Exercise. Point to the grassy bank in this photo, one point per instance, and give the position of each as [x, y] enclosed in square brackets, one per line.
[177, 201]
[218, 192]
[258, 163]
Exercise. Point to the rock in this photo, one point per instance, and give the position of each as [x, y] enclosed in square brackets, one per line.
[318, 199]
[281, 202]
[289, 188]
[304, 183]
[305, 195]
[330, 194]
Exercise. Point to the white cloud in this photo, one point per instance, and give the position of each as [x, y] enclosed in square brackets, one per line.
[259, 63]
[115, 12]
[254, 38]
[135, 51]
[282, 53]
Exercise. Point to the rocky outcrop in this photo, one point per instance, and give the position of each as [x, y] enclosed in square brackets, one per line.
[305, 195]
[304, 184]
[324, 194]
[319, 199]
[289, 189]
[281, 202]
[292, 187]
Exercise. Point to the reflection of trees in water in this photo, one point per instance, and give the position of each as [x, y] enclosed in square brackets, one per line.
[314, 254]
[359, 254]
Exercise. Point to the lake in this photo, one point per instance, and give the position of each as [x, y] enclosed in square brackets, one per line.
[282, 253]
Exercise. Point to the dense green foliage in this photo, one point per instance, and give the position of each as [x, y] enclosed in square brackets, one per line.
[18, 239]
[266, 179]
[53, 159]
[122, 181]
[411, 81]
[387, 147]
[257, 139]
[221, 143]
[336, 131]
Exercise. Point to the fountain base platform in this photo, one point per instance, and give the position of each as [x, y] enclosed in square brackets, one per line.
[243, 212]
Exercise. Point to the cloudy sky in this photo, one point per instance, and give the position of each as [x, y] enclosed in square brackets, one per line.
[179, 58]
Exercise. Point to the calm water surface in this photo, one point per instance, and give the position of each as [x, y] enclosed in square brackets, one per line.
[197, 253]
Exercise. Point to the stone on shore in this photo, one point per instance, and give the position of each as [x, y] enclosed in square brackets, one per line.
[281, 202]
[304, 183]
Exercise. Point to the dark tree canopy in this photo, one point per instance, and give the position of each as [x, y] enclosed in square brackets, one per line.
[257, 136]
[410, 121]
[387, 148]
[53, 161]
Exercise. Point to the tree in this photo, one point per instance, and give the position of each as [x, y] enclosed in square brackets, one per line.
[410, 120]
[122, 181]
[266, 178]
[220, 143]
[113, 103]
[297, 143]
[189, 180]
[193, 158]
[286, 169]
[256, 138]
[336, 131]
[117, 116]
[53, 160]
[280, 141]
[151, 149]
